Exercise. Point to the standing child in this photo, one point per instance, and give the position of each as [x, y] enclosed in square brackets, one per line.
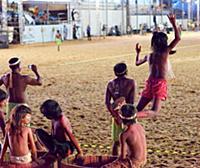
[133, 145]
[19, 138]
[3, 101]
[119, 90]
[156, 85]
[58, 40]
[61, 142]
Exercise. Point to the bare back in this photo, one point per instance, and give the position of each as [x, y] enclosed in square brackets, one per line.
[19, 84]
[158, 65]
[121, 87]
[19, 142]
[58, 129]
[135, 139]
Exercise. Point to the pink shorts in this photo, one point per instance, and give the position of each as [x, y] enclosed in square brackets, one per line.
[155, 88]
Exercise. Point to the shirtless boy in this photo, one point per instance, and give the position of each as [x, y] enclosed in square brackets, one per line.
[16, 83]
[61, 142]
[156, 85]
[3, 101]
[19, 138]
[121, 86]
[132, 141]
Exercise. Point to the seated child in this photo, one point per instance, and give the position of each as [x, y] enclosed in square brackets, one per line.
[19, 137]
[61, 142]
[3, 100]
[132, 141]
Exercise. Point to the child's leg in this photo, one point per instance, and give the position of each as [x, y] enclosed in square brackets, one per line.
[156, 105]
[115, 148]
[142, 103]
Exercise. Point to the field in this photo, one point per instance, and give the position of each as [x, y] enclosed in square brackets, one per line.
[77, 77]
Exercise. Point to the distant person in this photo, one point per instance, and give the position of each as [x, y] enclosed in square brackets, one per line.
[119, 87]
[89, 33]
[117, 32]
[61, 142]
[155, 22]
[156, 85]
[73, 14]
[58, 40]
[3, 101]
[133, 146]
[19, 138]
[104, 29]
[65, 31]
[129, 30]
[74, 32]
[16, 83]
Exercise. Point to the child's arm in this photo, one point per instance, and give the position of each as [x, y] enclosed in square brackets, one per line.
[177, 38]
[2, 123]
[3, 151]
[107, 102]
[72, 138]
[139, 61]
[122, 147]
[32, 144]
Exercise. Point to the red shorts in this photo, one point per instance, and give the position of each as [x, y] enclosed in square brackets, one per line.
[155, 88]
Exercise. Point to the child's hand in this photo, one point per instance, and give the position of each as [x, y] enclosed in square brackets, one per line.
[138, 48]
[118, 120]
[34, 68]
[79, 155]
[172, 18]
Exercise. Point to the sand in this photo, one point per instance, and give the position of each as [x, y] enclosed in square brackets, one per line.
[77, 77]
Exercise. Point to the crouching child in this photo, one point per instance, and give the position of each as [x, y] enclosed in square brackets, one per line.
[132, 141]
[61, 142]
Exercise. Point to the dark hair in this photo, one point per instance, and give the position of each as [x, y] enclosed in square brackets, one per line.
[12, 61]
[159, 42]
[51, 109]
[58, 31]
[128, 111]
[17, 114]
[120, 69]
[3, 95]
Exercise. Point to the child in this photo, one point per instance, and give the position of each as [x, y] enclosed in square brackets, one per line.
[19, 138]
[16, 83]
[121, 86]
[132, 141]
[156, 85]
[58, 40]
[61, 142]
[3, 101]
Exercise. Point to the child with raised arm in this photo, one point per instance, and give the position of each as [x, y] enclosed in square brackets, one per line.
[3, 101]
[61, 142]
[133, 145]
[19, 138]
[156, 85]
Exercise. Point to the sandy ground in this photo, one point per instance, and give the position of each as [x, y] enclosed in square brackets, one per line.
[77, 77]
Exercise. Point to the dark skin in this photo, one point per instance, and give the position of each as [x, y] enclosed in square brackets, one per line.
[20, 144]
[20, 83]
[158, 70]
[126, 88]
[62, 131]
[134, 139]
[2, 122]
